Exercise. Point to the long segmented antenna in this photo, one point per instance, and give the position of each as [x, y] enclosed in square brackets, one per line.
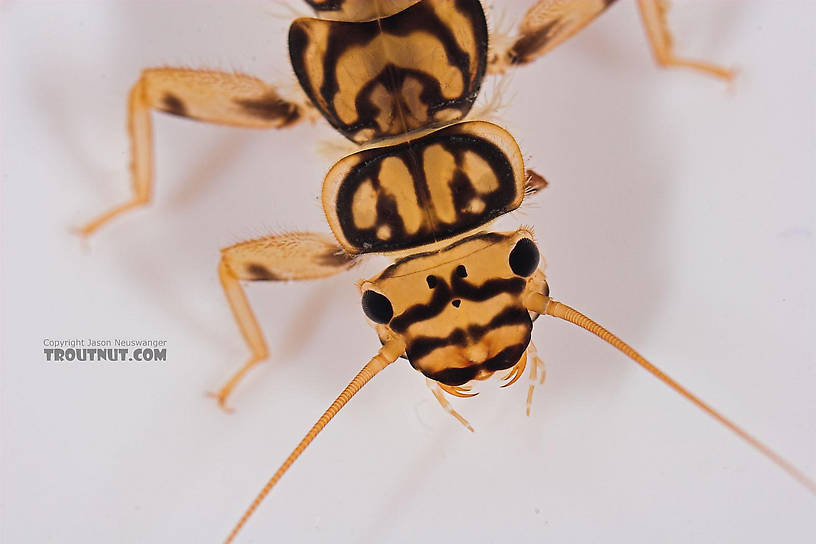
[389, 353]
[542, 304]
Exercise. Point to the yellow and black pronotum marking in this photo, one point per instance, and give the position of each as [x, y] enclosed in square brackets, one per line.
[433, 188]
[459, 301]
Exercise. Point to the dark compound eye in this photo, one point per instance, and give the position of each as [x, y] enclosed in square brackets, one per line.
[377, 307]
[461, 271]
[524, 257]
[431, 281]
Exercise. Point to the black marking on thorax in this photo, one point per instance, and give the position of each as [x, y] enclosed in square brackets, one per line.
[418, 18]
[496, 203]
[326, 5]
[489, 238]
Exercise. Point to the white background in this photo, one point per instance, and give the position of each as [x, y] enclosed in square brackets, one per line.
[680, 215]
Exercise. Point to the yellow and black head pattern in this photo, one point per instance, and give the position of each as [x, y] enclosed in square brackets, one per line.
[460, 311]
[433, 188]
[417, 68]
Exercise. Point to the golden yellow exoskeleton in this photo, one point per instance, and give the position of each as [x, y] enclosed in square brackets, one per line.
[400, 77]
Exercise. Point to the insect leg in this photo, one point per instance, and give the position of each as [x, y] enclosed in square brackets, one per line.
[440, 396]
[204, 95]
[548, 23]
[288, 256]
[653, 13]
[538, 373]
[545, 25]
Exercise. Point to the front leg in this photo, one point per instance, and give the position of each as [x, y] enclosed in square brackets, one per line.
[439, 394]
[538, 373]
[289, 256]
[204, 95]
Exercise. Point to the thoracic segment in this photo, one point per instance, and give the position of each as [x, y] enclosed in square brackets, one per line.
[439, 186]
[417, 68]
[359, 10]
[401, 76]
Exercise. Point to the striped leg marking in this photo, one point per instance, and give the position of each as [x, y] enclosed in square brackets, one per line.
[548, 23]
[204, 95]
[284, 257]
